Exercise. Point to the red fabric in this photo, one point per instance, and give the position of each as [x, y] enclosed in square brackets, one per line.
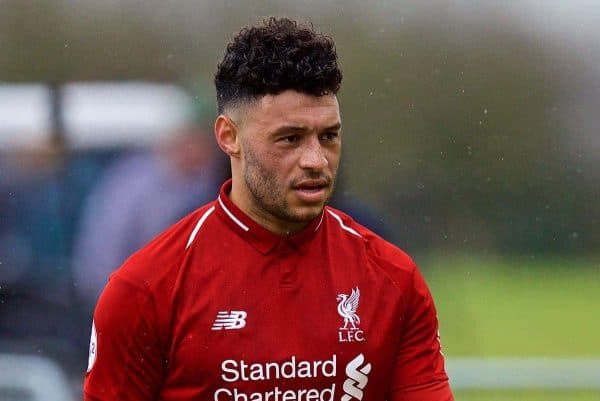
[241, 311]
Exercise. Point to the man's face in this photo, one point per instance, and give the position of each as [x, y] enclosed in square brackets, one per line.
[290, 151]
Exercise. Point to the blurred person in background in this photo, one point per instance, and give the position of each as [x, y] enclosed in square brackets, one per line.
[40, 192]
[140, 195]
[266, 293]
[343, 199]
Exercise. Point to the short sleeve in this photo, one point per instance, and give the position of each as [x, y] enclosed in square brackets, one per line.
[419, 372]
[126, 359]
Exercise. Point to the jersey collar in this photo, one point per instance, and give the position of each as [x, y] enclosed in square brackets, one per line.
[259, 237]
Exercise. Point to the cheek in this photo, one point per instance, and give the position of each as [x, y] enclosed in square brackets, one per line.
[333, 160]
[280, 163]
[266, 164]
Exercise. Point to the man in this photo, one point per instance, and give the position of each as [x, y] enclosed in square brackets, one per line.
[266, 294]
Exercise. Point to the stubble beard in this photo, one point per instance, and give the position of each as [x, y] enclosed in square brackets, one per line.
[270, 194]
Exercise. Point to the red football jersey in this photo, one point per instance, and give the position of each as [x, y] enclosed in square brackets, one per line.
[218, 308]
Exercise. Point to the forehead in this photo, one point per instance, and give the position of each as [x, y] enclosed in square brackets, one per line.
[295, 108]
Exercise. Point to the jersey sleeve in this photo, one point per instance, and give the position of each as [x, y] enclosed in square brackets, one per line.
[126, 358]
[419, 372]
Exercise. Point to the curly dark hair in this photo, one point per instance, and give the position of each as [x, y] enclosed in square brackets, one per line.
[278, 55]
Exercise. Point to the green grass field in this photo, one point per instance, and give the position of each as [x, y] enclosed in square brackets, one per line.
[517, 307]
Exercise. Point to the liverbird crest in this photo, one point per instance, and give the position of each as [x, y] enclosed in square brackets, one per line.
[347, 306]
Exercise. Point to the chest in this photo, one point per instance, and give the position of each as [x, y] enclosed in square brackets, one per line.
[293, 321]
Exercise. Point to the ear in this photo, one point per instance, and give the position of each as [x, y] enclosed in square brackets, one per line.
[227, 135]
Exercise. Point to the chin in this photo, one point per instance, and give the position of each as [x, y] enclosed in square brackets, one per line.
[306, 214]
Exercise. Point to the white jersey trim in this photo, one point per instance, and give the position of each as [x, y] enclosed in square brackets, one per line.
[232, 217]
[320, 221]
[344, 227]
[198, 225]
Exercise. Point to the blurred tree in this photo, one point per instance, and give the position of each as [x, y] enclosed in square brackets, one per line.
[453, 122]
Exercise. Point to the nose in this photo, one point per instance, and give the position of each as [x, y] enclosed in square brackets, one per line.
[313, 155]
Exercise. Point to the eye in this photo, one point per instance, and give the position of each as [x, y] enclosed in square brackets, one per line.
[289, 138]
[329, 136]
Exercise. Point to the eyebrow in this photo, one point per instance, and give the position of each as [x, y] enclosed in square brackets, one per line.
[297, 129]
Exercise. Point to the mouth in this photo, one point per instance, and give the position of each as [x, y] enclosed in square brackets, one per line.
[312, 190]
[312, 185]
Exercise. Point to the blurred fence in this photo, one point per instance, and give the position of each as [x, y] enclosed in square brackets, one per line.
[90, 115]
[527, 373]
[32, 378]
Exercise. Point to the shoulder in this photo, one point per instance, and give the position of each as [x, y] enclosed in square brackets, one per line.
[382, 253]
[161, 258]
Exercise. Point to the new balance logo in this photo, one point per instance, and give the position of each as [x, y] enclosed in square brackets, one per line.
[357, 378]
[233, 320]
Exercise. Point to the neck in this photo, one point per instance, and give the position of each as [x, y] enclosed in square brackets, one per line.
[243, 199]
